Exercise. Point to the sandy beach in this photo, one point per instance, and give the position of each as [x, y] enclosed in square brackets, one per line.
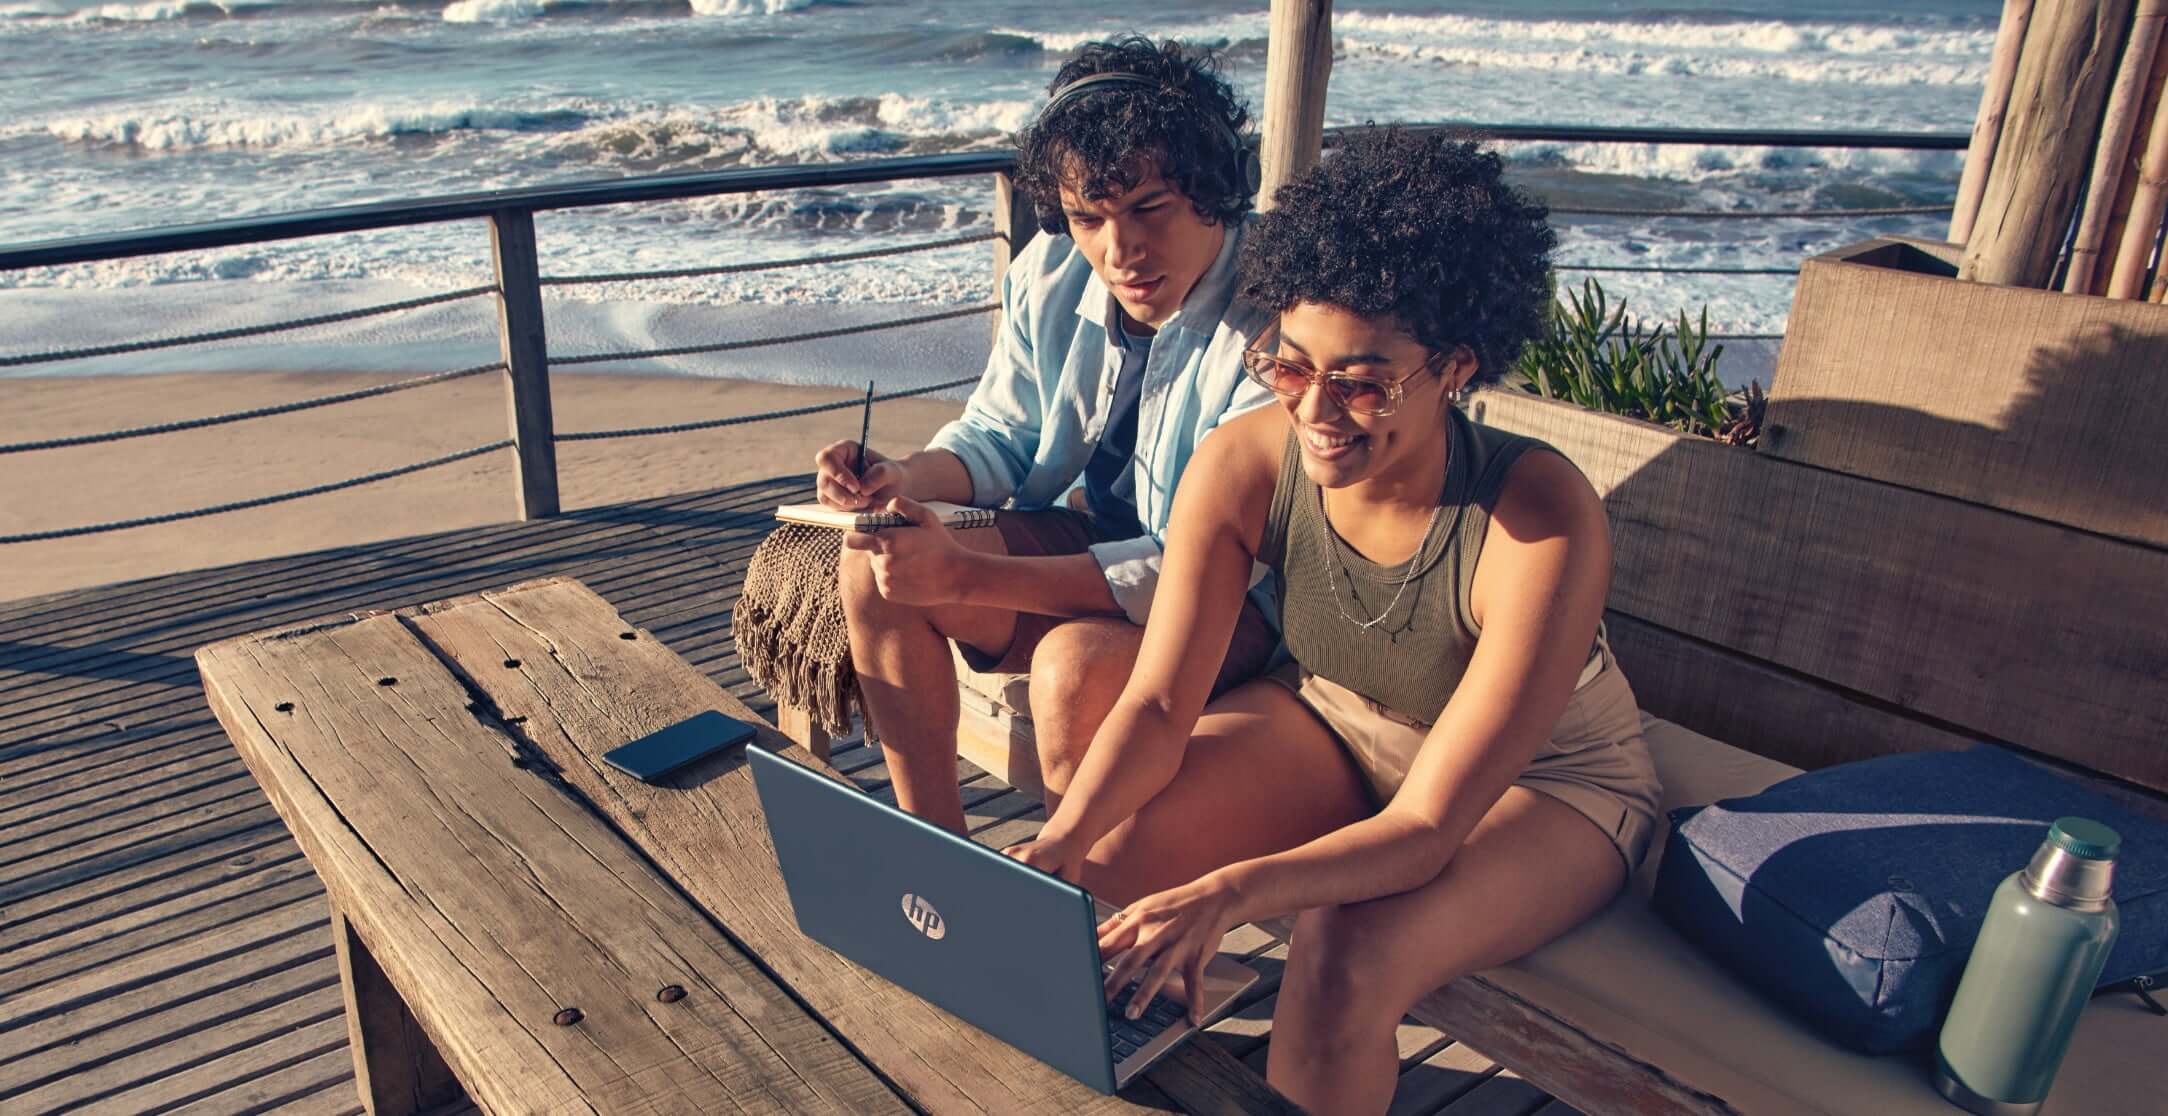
[52, 489]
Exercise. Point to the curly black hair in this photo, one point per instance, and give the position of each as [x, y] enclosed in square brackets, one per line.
[1102, 143]
[1419, 226]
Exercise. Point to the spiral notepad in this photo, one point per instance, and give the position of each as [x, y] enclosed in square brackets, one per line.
[820, 515]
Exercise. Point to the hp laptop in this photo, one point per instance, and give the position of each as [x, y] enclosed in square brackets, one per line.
[1003, 946]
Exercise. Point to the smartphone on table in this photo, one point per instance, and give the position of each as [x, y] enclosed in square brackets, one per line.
[665, 750]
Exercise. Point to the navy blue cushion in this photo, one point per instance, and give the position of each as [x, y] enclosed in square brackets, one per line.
[1852, 895]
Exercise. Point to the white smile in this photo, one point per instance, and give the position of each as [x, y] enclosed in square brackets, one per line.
[1329, 445]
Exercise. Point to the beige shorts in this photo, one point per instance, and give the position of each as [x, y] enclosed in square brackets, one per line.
[1595, 761]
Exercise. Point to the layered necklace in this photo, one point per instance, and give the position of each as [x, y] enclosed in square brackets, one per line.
[1416, 564]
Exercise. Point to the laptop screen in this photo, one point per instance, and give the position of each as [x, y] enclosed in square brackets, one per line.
[1006, 947]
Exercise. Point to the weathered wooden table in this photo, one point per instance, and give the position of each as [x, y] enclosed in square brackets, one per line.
[516, 918]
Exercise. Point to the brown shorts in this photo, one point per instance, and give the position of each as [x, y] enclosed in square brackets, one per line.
[1056, 531]
[1596, 761]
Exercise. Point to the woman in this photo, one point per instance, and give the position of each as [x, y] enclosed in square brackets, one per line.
[1450, 773]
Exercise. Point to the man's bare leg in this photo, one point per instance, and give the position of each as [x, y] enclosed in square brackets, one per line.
[1077, 673]
[907, 677]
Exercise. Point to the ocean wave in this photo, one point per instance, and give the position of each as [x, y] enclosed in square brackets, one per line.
[1226, 32]
[749, 7]
[1583, 60]
[1701, 163]
[789, 130]
[213, 126]
[153, 11]
[1755, 36]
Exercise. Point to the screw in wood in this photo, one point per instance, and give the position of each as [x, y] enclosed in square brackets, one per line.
[627, 635]
[284, 707]
[512, 664]
[566, 1017]
[670, 994]
[387, 681]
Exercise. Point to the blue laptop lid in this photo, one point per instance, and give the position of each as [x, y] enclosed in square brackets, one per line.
[1007, 948]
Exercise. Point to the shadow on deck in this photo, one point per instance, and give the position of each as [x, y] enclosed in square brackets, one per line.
[164, 945]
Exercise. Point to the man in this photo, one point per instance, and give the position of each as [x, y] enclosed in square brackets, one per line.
[1118, 351]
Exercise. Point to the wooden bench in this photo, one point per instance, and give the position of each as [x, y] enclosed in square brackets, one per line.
[1622, 1016]
[1814, 616]
[518, 921]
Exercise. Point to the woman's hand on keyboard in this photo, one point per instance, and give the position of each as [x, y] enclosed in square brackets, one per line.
[1173, 932]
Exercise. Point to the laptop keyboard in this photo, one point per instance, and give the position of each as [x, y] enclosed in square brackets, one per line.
[1128, 1035]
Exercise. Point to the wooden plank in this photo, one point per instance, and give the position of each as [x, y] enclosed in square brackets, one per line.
[94, 822]
[59, 908]
[1504, 1094]
[1580, 1068]
[316, 1085]
[31, 1010]
[155, 1012]
[1771, 712]
[135, 764]
[486, 892]
[358, 578]
[73, 799]
[225, 897]
[582, 690]
[365, 583]
[138, 692]
[260, 1044]
[1442, 1077]
[396, 1069]
[84, 1047]
[1934, 606]
[59, 867]
[2037, 402]
[67, 982]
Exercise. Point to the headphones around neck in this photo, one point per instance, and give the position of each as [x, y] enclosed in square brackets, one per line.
[1246, 170]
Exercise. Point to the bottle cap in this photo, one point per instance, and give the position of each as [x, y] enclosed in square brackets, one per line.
[2085, 838]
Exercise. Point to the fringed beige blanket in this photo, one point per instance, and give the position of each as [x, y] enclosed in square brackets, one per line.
[789, 625]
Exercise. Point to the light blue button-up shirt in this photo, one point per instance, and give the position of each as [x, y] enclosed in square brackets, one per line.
[1043, 404]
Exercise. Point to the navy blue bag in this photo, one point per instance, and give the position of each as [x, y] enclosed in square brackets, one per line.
[1851, 895]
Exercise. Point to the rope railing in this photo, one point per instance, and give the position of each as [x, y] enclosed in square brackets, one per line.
[260, 501]
[1758, 214]
[1665, 269]
[59, 355]
[256, 412]
[763, 265]
[786, 339]
[764, 416]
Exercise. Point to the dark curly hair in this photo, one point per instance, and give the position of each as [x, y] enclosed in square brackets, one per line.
[1108, 139]
[1419, 226]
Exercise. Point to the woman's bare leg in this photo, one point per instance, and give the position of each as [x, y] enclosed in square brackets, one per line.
[1532, 869]
[1261, 774]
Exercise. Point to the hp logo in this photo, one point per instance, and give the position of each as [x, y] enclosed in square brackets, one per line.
[923, 917]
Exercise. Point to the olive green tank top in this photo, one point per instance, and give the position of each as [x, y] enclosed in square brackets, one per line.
[1413, 658]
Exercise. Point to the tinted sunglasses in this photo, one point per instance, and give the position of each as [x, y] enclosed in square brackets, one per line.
[1361, 395]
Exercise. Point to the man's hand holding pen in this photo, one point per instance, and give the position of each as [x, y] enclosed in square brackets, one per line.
[838, 487]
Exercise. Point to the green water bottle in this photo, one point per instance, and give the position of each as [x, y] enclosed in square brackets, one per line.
[2048, 932]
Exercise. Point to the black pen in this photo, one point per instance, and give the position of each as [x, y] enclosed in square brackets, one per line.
[865, 421]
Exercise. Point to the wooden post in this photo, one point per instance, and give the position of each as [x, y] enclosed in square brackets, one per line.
[526, 362]
[2118, 128]
[798, 724]
[2063, 73]
[2127, 176]
[1014, 224]
[1987, 122]
[396, 1068]
[2141, 231]
[1298, 66]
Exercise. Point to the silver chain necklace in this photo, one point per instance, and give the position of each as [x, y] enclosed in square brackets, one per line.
[1415, 563]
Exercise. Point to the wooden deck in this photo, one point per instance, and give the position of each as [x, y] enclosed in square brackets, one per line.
[164, 945]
